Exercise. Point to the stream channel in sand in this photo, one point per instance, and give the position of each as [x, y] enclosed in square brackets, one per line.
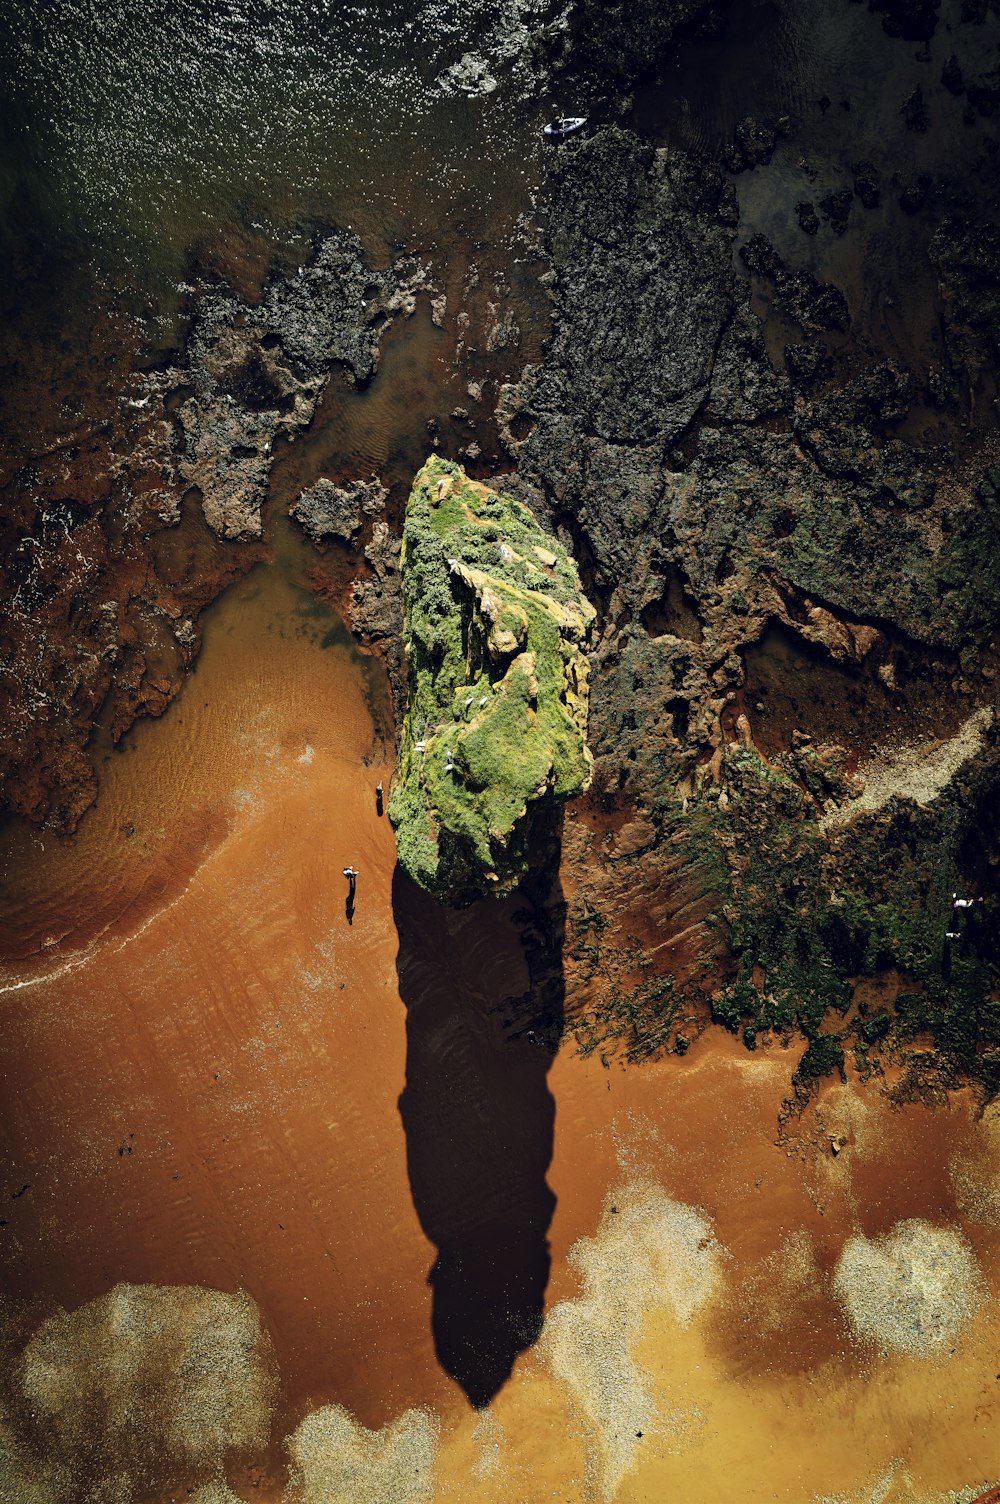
[211, 1078]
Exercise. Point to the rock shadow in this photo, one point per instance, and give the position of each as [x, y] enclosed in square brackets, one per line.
[483, 988]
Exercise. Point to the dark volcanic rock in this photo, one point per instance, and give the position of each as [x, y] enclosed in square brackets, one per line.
[836, 209]
[329, 511]
[813, 304]
[967, 259]
[256, 371]
[914, 195]
[754, 142]
[627, 39]
[914, 111]
[807, 217]
[951, 76]
[867, 184]
[614, 394]
[913, 20]
[375, 607]
[750, 549]
[807, 364]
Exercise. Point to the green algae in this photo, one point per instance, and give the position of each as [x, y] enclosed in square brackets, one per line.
[809, 918]
[496, 629]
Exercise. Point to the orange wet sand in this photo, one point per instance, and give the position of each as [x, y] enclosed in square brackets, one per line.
[227, 1029]
[201, 1086]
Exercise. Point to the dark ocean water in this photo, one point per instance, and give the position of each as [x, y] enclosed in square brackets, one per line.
[134, 133]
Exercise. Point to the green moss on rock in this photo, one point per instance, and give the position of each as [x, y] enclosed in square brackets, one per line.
[496, 629]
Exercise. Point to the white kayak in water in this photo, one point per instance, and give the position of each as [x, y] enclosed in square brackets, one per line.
[565, 126]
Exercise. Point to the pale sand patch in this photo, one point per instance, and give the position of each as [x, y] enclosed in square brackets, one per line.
[895, 1486]
[649, 1253]
[20, 1480]
[777, 1288]
[147, 1379]
[883, 1488]
[976, 1176]
[215, 1493]
[917, 771]
[336, 1460]
[912, 1291]
[492, 1441]
[832, 1423]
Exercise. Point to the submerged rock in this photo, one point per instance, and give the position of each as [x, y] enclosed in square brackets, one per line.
[256, 372]
[496, 630]
[329, 511]
[470, 75]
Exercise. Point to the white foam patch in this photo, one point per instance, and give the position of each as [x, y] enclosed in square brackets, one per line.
[649, 1254]
[910, 1292]
[894, 1485]
[215, 1493]
[149, 1376]
[335, 1460]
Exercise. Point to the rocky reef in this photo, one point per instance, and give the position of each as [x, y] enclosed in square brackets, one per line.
[496, 630]
[254, 372]
[793, 715]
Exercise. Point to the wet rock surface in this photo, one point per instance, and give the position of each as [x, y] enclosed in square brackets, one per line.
[716, 498]
[329, 511]
[253, 373]
[116, 538]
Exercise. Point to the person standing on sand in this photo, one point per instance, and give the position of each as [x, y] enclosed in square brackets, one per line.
[379, 805]
[351, 873]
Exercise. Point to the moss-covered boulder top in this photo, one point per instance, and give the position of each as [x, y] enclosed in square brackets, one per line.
[496, 630]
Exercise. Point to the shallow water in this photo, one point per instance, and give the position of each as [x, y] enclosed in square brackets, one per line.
[150, 127]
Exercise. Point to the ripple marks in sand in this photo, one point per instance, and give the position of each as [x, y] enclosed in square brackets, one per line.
[336, 1460]
[910, 1292]
[648, 1253]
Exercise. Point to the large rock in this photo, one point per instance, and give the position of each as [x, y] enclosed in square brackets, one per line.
[329, 511]
[496, 629]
